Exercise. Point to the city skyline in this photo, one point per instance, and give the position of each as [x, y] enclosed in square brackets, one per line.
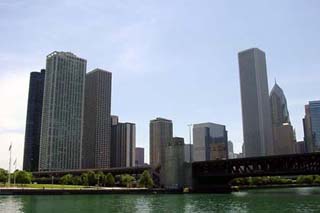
[203, 70]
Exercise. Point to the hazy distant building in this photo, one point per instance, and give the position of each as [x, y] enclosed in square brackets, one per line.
[123, 144]
[96, 142]
[174, 163]
[311, 124]
[33, 124]
[139, 156]
[62, 114]
[188, 152]
[300, 147]
[210, 142]
[256, 117]
[283, 134]
[230, 150]
[160, 136]
[284, 140]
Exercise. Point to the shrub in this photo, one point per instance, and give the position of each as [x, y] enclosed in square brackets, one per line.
[66, 179]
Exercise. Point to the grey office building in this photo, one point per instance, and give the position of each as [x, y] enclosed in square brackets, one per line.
[33, 124]
[62, 114]
[96, 142]
[139, 156]
[210, 142]
[174, 164]
[160, 136]
[283, 134]
[256, 115]
[123, 144]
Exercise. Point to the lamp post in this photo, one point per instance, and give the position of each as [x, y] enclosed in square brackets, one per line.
[190, 125]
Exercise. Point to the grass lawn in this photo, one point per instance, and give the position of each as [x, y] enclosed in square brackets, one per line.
[47, 186]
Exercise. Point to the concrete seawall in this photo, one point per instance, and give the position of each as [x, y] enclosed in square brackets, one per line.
[28, 191]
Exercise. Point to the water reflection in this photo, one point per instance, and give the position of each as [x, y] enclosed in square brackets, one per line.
[10, 204]
[284, 200]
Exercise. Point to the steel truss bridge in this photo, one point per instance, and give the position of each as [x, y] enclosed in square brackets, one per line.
[209, 175]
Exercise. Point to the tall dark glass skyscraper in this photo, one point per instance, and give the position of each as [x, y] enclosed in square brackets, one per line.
[311, 124]
[33, 124]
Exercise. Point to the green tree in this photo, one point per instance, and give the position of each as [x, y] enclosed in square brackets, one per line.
[66, 179]
[146, 180]
[92, 178]
[23, 177]
[316, 179]
[100, 178]
[109, 180]
[84, 179]
[308, 179]
[76, 180]
[127, 180]
[3, 176]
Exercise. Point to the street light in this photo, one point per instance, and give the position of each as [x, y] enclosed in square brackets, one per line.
[190, 125]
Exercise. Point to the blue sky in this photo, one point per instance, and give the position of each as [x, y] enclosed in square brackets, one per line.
[173, 59]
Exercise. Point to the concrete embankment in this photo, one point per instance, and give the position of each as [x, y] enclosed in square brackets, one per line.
[30, 191]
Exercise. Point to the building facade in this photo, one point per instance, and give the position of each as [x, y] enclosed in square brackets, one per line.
[210, 142]
[188, 153]
[311, 124]
[139, 156]
[62, 112]
[123, 144]
[174, 164]
[96, 142]
[160, 136]
[33, 123]
[283, 134]
[256, 116]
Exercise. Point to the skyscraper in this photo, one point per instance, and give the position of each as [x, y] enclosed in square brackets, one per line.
[160, 136]
[210, 142]
[96, 142]
[311, 124]
[279, 109]
[139, 156]
[123, 144]
[33, 124]
[256, 114]
[283, 134]
[62, 114]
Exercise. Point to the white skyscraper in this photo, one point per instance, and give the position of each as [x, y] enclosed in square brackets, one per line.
[61, 130]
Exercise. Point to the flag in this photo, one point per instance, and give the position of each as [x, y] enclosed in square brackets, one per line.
[10, 147]
[15, 162]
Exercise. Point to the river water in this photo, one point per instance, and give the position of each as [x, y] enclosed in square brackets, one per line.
[262, 200]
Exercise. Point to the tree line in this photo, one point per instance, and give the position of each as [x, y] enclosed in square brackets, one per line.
[276, 180]
[89, 178]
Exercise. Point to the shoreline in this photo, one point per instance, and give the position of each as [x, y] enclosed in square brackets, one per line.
[83, 191]
[132, 191]
[275, 186]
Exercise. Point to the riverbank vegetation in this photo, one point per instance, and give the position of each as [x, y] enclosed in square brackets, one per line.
[275, 180]
[90, 178]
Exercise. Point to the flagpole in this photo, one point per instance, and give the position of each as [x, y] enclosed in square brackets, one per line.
[9, 176]
[15, 169]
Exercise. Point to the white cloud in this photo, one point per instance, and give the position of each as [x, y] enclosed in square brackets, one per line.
[13, 96]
